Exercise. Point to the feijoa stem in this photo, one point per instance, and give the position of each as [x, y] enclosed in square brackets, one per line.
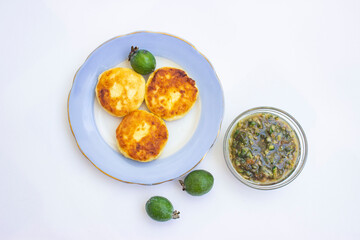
[175, 214]
[133, 51]
[182, 184]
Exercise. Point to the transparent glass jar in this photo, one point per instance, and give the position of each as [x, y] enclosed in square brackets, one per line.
[299, 132]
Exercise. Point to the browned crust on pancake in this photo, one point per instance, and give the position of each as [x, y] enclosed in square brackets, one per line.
[161, 84]
[151, 145]
[124, 77]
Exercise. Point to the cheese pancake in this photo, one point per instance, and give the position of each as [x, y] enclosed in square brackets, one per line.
[141, 136]
[120, 91]
[170, 93]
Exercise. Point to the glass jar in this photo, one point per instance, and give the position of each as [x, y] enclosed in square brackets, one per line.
[301, 158]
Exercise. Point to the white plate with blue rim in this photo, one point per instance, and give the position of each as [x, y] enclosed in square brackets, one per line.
[190, 138]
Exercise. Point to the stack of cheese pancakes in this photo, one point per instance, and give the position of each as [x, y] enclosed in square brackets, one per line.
[169, 94]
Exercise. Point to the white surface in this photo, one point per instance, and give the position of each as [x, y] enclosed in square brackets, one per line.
[180, 132]
[299, 56]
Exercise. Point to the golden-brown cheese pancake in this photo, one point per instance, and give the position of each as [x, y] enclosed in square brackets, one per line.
[120, 91]
[141, 136]
[170, 93]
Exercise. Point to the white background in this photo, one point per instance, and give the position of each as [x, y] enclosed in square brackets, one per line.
[300, 56]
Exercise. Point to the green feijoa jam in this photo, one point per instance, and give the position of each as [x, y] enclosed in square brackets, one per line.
[263, 148]
[160, 209]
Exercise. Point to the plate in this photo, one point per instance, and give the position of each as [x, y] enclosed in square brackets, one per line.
[190, 138]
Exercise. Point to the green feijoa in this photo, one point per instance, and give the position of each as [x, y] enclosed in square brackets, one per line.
[198, 182]
[142, 61]
[161, 209]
